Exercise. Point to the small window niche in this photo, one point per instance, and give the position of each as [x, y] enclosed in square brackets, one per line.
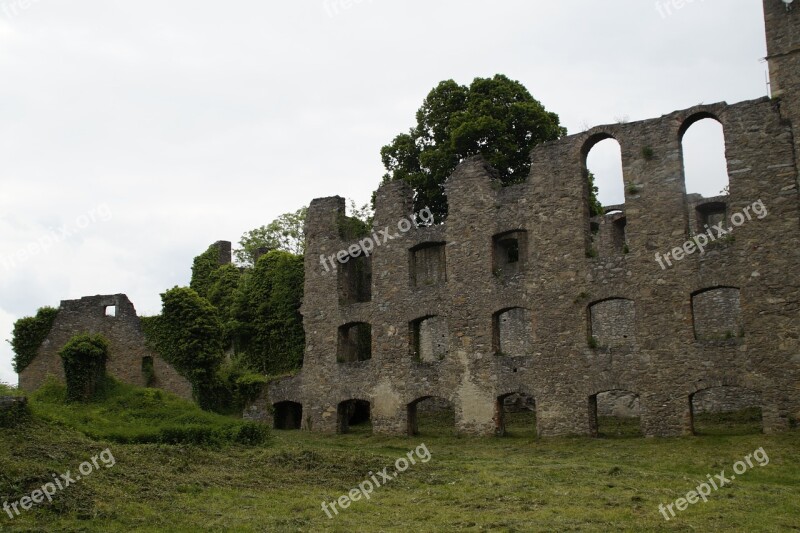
[717, 314]
[428, 265]
[111, 311]
[429, 339]
[355, 281]
[355, 343]
[612, 323]
[510, 250]
[710, 214]
[148, 371]
[513, 332]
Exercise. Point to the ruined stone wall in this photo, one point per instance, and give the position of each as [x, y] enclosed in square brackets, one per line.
[651, 309]
[115, 318]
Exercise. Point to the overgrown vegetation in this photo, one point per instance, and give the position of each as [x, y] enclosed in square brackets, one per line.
[270, 333]
[203, 267]
[250, 314]
[84, 359]
[126, 414]
[188, 334]
[28, 335]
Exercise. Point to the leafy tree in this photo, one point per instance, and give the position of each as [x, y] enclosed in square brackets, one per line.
[29, 333]
[284, 233]
[496, 117]
[358, 224]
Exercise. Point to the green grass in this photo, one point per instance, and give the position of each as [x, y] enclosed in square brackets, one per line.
[127, 414]
[518, 483]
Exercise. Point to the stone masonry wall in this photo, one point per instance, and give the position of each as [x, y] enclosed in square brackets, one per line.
[127, 347]
[450, 270]
[717, 314]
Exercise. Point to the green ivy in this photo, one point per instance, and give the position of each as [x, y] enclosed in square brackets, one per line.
[29, 333]
[188, 335]
[202, 270]
[84, 358]
[270, 333]
[223, 285]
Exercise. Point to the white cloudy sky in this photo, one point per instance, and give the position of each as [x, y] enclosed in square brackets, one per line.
[150, 129]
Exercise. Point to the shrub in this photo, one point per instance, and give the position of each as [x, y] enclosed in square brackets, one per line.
[252, 434]
[14, 413]
[84, 358]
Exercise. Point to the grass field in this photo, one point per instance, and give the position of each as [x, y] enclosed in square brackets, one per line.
[515, 483]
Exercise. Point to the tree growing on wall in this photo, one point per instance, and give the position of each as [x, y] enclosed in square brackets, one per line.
[495, 117]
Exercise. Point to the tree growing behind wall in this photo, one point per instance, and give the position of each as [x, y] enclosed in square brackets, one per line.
[270, 335]
[495, 117]
[284, 233]
[595, 207]
[29, 333]
[84, 358]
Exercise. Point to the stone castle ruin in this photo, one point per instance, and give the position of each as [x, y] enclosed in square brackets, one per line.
[521, 293]
[522, 298]
[129, 361]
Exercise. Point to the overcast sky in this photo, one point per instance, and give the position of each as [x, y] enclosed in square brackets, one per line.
[136, 133]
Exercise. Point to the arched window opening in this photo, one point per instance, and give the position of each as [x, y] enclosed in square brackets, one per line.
[614, 414]
[288, 415]
[705, 167]
[604, 163]
[431, 415]
[726, 411]
[354, 416]
[515, 415]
